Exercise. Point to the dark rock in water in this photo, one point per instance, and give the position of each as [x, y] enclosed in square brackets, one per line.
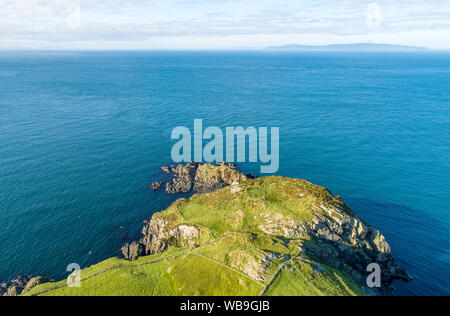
[132, 251]
[156, 185]
[251, 176]
[21, 285]
[202, 178]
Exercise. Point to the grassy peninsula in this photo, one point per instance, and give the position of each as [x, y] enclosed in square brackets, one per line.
[264, 236]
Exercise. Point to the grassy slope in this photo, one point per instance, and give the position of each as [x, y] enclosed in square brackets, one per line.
[231, 242]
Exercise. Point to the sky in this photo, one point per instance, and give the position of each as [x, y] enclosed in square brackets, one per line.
[220, 24]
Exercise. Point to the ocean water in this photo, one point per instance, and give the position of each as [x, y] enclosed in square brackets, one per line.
[82, 134]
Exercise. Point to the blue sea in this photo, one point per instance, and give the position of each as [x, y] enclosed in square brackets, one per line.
[82, 134]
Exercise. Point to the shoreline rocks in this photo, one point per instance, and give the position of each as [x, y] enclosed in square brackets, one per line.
[21, 285]
[201, 178]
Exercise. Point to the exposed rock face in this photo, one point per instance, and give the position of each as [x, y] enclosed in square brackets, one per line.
[157, 235]
[342, 240]
[35, 282]
[21, 285]
[255, 266]
[132, 251]
[338, 238]
[154, 235]
[201, 178]
[209, 178]
[183, 179]
[278, 225]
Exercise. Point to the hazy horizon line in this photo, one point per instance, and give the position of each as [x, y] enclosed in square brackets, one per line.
[281, 48]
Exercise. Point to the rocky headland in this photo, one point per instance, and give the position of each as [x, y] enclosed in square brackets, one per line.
[320, 225]
[241, 235]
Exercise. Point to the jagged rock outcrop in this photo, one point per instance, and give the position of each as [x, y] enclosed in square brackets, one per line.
[183, 178]
[21, 285]
[132, 251]
[255, 266]
[158, 234]
[341, 240]
[201, 178]
[338, 238]
[153, 239]
[209, 178]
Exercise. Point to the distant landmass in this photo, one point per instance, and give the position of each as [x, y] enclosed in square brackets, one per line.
[367, 47]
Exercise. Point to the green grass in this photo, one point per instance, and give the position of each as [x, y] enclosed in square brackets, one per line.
[149, 276]
[135, 281]
[194, 275]
[303, 280]
[223, 210]
[235, 256]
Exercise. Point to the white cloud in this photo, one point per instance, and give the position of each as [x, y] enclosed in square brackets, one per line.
[138, 20]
